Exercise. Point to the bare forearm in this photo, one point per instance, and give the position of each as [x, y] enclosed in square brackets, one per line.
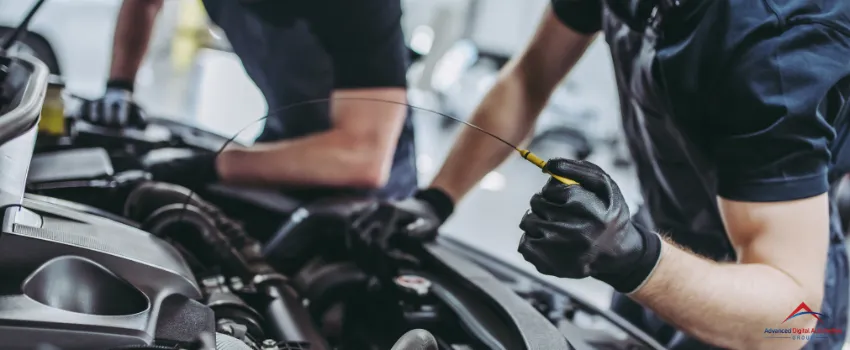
[510, 109]
[728, 305]
[357, 152]
[507, 111]
[326, 159]
[132, 34]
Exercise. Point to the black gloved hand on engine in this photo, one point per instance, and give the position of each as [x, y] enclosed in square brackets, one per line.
[424, 213]
[116, 109]
[191, 170]
[585, 230]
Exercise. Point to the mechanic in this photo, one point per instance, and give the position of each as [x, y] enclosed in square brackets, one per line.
[294, 51]
[736, 115]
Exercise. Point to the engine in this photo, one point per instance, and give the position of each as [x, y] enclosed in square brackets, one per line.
[169, 269]
[122, 262]
[71, 279]
[73, 269]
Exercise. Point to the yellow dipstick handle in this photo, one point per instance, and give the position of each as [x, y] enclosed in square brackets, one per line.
[540, 163]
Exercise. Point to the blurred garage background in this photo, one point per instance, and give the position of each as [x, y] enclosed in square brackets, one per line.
[191, 75]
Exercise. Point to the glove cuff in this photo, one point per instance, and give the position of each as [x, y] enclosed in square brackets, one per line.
[120, 84]
[438, 200]
[631, 281]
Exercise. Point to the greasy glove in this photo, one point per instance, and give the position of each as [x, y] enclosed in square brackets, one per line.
[421, 215]
[585, 230]
[190, 171]
[115, 109]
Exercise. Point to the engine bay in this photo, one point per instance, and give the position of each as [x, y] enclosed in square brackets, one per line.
[97, 256]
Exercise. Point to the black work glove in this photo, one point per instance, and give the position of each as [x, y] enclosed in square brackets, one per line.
[191, 171]
[585, 230]
[115, 109]
[421, 215]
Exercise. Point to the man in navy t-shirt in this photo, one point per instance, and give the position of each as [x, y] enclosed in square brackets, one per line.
[294, 51]
[736, 113]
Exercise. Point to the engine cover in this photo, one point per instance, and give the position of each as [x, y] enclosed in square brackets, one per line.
[79, 281]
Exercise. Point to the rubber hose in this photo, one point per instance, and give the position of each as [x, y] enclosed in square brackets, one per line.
[329, 284]
[287, 317]
[148, 197]
[220, 250]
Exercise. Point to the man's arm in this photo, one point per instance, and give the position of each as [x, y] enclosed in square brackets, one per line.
[132, 34]
[782, 250]
[366, 45]
[511, 107]
[356, 152]
[772, 150]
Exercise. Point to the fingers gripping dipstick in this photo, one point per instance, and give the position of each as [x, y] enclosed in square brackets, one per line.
[540, 163]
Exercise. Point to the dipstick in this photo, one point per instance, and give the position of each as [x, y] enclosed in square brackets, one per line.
[540, 163]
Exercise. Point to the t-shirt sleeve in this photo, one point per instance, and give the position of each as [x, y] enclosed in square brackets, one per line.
[583, 16]
[772, 118]
[365, 41]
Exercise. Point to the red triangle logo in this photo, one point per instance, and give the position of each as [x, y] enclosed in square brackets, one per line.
[802, 309]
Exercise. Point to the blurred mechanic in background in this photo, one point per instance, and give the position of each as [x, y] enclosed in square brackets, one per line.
[294, 51]
[736, 115]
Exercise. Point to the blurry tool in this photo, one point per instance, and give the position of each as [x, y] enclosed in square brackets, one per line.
[190, 34]
[52, 121]
[417, 339]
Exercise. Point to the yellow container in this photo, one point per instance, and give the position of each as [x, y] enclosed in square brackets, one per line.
[189, 36]
[53, 112]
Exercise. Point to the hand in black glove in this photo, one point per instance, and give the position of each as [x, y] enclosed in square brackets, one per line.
[421, 215]
[585, 230]
[115, 109]
[190, 170]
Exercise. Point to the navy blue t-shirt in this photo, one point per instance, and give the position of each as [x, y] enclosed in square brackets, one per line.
[747, 100]
[297, 51]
